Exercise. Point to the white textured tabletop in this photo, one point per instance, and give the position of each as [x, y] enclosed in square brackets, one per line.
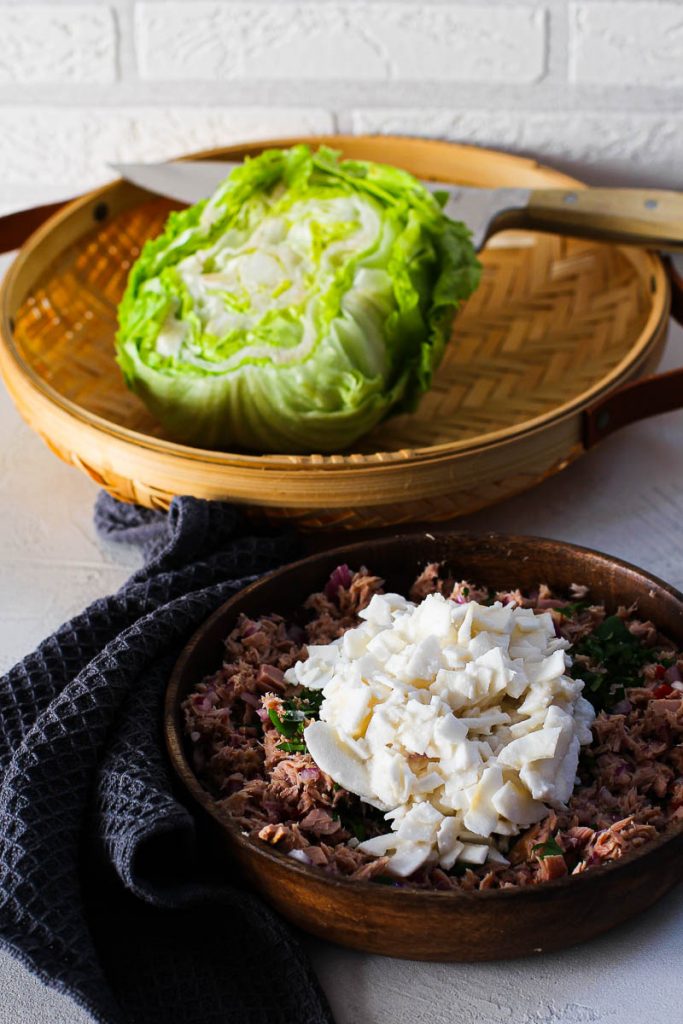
[625, 497]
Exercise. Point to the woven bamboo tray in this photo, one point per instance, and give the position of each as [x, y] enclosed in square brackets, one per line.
[557, 327]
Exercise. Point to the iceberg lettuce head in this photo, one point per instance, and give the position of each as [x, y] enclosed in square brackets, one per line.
[307, 299]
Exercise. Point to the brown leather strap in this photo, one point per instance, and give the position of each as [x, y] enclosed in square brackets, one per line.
[16, 227]
[650, 396]
[676, 276]
[647, 397]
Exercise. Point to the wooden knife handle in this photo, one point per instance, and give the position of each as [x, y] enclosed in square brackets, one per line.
[631, 215]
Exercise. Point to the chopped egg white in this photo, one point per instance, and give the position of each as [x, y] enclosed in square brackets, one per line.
[459, 721]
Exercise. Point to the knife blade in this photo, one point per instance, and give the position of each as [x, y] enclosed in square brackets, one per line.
[188, 181]
[645, 217]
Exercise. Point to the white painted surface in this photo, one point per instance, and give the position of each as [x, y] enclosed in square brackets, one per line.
[625, 497]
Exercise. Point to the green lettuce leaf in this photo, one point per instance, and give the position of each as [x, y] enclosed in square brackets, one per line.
[307, 299]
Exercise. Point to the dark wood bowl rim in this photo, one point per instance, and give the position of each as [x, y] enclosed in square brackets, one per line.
[175, 740]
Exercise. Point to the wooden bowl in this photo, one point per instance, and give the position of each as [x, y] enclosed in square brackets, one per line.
[557, 325]
[436, 925]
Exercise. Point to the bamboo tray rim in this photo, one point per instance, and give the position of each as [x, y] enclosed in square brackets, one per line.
[353, 462]
[175, 746]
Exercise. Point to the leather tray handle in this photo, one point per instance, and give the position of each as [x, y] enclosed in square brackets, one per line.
[15, 228]
[649, 396]
[646, 397]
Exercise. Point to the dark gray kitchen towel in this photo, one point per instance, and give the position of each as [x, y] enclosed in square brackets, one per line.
[108, 889]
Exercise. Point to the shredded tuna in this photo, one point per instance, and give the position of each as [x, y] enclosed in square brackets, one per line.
[631, 776]
[426, 583]
[552, 867]
[372, 869]
[320, 823]
[272, 833]
[272, 677]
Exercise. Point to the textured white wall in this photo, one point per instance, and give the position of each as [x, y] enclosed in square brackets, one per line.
[595, 86]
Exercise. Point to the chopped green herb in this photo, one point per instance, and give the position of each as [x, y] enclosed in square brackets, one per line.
[550, 848]
[618, 657]
[465, 591]
[568, 610]
[313, 698]
[354, 823]
[613, 628]
[294, 715]
[286, 728]
[360, 818]
[290, 724]
[293, 747]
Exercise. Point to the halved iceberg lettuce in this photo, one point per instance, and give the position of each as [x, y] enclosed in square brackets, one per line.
[293, 310]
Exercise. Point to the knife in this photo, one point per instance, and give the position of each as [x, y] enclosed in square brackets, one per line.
[647, 217]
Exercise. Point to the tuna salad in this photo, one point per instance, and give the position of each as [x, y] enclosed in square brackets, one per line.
[459, 738]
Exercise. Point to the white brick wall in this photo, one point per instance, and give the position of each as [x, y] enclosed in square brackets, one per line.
[76, 140]
[595, 86]
[617, 147]
[50, 43]
[322, 41]
[45, 146]
[627, 43]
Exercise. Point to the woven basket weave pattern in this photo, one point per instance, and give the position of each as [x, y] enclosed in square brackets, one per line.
[552, 319]
[549, 318]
